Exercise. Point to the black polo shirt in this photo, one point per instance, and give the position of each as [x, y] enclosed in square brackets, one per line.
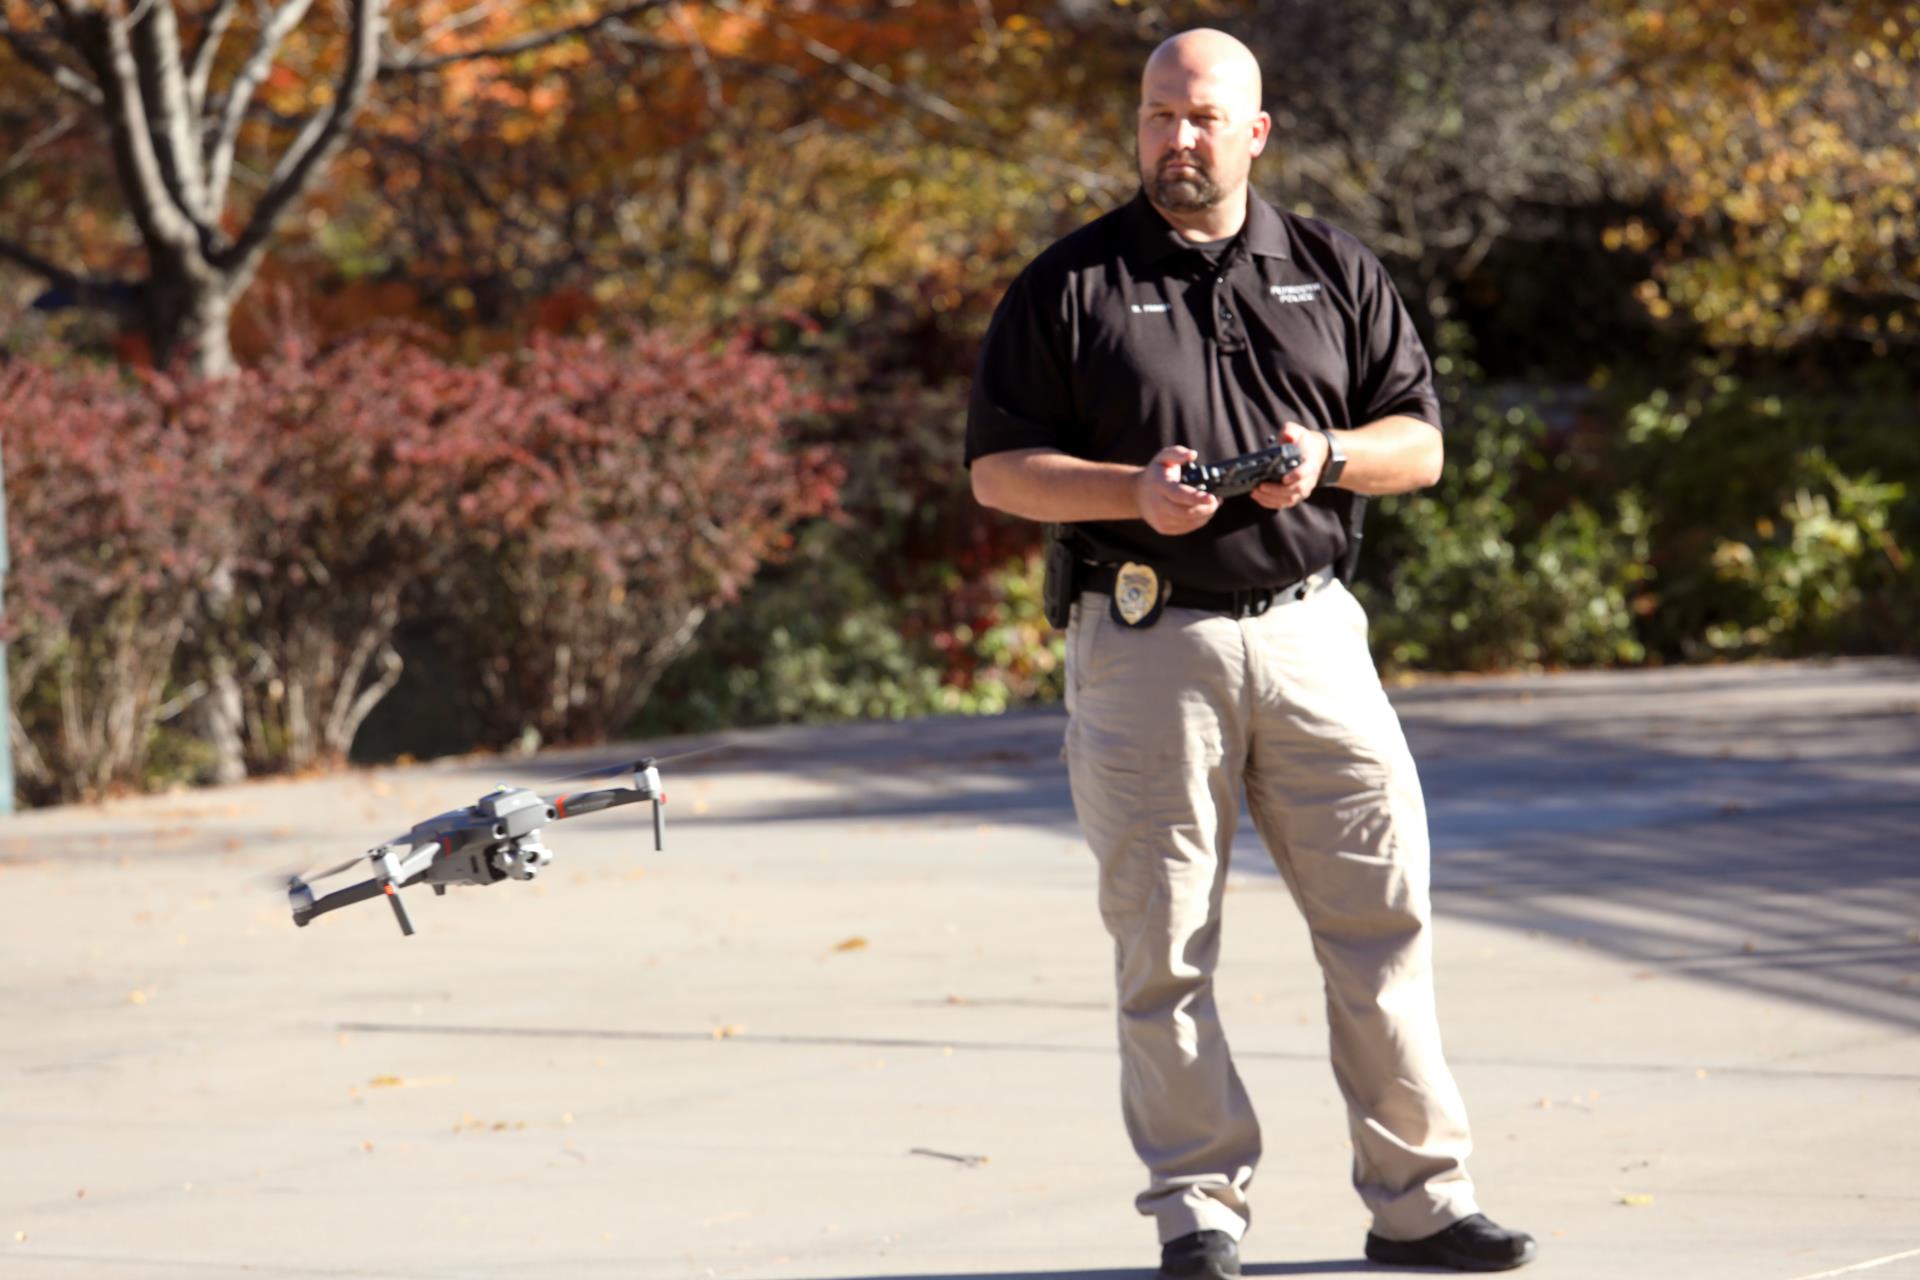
[1123, 338]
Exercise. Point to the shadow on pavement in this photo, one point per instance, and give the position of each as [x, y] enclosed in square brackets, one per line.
[1757, 827]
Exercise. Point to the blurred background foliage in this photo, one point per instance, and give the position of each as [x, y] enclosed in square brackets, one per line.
[1666, 254]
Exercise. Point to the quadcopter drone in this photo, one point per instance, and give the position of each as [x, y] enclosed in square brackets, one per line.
[496, 838]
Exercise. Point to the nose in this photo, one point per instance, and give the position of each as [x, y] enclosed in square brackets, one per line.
[1186, 135]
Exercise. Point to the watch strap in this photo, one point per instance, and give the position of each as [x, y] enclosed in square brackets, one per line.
[1336, 458]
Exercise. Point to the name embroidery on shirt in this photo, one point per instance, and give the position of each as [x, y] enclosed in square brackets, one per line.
[1295, 292]
[1154, 308]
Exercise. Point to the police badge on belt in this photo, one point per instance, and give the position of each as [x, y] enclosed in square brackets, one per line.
[1139, 595]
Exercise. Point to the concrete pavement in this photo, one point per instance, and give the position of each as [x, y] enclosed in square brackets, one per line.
[855, 1023]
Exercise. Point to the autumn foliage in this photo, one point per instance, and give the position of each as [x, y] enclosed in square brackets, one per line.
[110, 535]
[576, 511]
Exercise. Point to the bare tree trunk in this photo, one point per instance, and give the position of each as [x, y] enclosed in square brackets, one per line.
[189, 316]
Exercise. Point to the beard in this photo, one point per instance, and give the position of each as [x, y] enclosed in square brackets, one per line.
[1184, 192]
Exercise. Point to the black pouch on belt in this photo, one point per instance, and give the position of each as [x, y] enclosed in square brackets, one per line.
[1059, 587]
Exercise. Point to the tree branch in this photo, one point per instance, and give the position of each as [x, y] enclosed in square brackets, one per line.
[37, 141]
[87, 291]
[220, 149]
[206, 49]
[69, 80]
[317, 142]
[162, 221]
[525, 44]
[164, 84]
[863, 76]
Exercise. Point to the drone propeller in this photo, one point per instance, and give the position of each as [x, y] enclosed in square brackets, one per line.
[637, 766]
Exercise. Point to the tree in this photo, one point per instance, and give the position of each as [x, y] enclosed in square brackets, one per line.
[173, 140]
[1783, 143]
[220, 120]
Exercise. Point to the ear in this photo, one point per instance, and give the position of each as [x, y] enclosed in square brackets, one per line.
[1262, 127]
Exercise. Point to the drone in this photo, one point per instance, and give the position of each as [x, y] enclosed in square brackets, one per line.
[496, 838]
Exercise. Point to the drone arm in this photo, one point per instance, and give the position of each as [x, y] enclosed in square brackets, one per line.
[396, 869]
[306, 907]
[594, 801]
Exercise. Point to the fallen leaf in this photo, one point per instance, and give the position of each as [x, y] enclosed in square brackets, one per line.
[1636, 1200]
[728, 1032]
[851, 944]
[408, 1082]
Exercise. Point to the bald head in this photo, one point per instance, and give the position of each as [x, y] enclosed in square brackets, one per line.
[1200, 127]
[1209, 60]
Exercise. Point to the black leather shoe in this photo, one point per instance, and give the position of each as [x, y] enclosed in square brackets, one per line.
[1471, 1244]
[1200, 1255]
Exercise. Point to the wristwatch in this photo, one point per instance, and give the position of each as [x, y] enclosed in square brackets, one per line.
[1336, 458]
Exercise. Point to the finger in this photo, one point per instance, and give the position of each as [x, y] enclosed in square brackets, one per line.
[1293, 432]
[1186, 497]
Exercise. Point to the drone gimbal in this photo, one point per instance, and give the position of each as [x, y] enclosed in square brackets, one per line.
[496, 838]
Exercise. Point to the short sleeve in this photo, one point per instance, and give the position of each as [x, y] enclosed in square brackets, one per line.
[1022, 392]
[1392, 374]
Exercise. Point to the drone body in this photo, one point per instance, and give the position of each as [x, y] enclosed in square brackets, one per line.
[496, 838]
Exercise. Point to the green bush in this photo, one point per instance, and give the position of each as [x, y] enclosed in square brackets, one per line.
[1773, 530]
[1501, 565]
[819, 639]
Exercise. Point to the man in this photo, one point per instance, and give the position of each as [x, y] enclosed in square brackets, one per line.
[1214, 651]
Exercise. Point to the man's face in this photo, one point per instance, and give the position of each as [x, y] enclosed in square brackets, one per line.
[1199, 131]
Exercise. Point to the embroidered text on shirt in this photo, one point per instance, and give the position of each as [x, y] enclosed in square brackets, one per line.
[1295, 292]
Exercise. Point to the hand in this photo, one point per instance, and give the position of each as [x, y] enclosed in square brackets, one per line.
[1292, 490]
[1166, 505]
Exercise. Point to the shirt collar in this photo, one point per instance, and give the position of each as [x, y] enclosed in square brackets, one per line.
[1151, 238]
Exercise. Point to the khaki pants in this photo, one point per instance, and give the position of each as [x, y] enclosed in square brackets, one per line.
[1166, 727]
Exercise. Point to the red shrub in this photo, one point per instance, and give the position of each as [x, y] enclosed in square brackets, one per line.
[576, 511]
[110, 529]
[656, 479]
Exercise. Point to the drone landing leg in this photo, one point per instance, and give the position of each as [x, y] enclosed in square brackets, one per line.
[399, 909]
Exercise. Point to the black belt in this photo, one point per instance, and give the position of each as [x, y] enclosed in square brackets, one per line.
[1248, 603]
